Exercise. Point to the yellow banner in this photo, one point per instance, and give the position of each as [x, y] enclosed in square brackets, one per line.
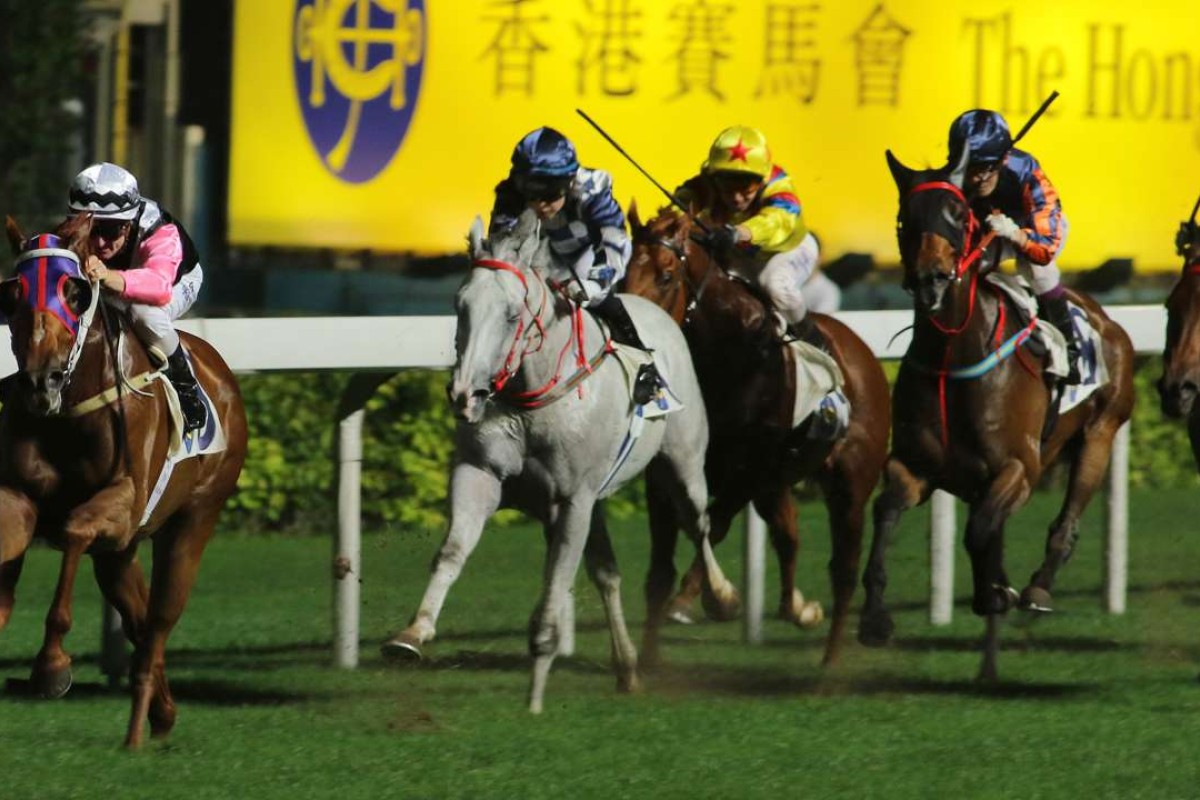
[385, 124]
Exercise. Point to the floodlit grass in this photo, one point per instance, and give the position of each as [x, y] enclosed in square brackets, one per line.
[1089, 704]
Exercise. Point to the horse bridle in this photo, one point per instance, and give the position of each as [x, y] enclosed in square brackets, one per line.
[967, 255]
[694, 291]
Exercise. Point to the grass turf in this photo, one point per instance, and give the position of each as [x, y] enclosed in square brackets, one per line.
[1088, 704]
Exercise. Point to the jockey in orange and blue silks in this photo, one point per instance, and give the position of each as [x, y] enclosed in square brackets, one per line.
[1008, 189]
[584, 224]
[752, 202]
[144, 260]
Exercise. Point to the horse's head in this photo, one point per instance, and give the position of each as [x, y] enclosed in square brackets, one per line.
[495, 315]
[48, 304]
[662, 254]
[1180, 380]
[934, 228]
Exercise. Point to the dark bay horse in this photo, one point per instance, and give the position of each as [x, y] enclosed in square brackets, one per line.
[980, 436]
[1180, 380]
[749, 384]
[81, 450]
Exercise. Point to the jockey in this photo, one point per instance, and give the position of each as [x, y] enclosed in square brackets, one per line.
[1008, 188]
[741, 190]
[145, 258]
[584, 224]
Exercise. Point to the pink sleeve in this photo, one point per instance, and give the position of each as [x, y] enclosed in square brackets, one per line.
[157, 262]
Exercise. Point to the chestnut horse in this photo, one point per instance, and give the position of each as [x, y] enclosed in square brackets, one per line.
[754, 455]
[81, 450]
[975, 433]
[1181, 359]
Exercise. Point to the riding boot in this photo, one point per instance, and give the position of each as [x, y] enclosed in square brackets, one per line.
[1058, 314]
[179, 372]
[622, 329]
[806, 331]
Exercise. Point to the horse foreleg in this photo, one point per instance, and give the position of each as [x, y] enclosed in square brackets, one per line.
[721, 602]
[566, 541]
[776, 508]
[602, 569]
[18, 517]
[178, 547]
[1087, 472]
[474, 496]
[901, 491]
[993, 596]
[846, 497]
[107, 514]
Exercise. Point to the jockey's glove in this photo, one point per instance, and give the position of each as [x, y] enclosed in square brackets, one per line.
[1005, 228]
[723, 239]
[585, 292]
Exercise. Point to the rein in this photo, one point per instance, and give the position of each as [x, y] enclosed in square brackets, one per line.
[557, 386]
[1004, 349]
[967, 257]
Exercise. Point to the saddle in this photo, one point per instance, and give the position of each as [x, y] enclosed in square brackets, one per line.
[1093, 370]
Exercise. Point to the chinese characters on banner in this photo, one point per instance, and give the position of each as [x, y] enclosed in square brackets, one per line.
[609, 53]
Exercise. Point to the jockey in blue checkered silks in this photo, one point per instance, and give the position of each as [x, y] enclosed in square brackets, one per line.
[583, 223]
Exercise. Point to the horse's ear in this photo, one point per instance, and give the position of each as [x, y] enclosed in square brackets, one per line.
[10, 298]
[635, 220]
[75, 231]
[901, 174]
[475, 241]
[15, 237]
[958, 175]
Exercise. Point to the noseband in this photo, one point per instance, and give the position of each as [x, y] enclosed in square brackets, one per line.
[967, 255]
[557, 386]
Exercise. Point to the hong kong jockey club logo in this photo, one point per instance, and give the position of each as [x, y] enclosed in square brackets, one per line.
[358, 66]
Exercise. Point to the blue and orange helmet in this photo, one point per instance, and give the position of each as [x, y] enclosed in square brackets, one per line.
[985, 132]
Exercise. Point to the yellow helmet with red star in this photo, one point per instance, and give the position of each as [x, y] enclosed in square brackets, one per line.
[739, 149]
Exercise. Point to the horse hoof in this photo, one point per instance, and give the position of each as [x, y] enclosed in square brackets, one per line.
[875, 630]
[401, 648]
[997, 600]
[680, 617]
[720, 609]
[1037, 599]
[51, 685]
[810, 615]
[629, 684]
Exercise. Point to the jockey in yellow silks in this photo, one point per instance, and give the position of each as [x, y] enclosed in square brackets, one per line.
[752, 207]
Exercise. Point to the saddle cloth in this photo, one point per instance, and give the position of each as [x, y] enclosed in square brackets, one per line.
[664, 402]
[207, 440]
[1093, 370]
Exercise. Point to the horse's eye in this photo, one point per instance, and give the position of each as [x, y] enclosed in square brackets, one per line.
[666, 276]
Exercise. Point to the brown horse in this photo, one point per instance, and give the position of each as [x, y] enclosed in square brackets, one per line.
[754, 455]
[981, 436]
[81, 450]
[1180, 380]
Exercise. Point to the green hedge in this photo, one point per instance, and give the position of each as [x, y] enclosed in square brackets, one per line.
[289, 480]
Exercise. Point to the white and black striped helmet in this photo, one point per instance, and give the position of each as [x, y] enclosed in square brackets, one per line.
[106, 191]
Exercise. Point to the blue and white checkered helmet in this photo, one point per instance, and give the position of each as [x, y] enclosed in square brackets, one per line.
[106, 191]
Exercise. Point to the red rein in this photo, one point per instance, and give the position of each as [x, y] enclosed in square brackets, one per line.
[536, 398]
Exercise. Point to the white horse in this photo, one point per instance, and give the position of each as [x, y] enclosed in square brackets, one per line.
[544, 409]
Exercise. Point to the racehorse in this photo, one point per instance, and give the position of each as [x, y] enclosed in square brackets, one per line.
[970, 406]
[84, 436]
[544, 414]
[749, 385]
[1180, 380]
